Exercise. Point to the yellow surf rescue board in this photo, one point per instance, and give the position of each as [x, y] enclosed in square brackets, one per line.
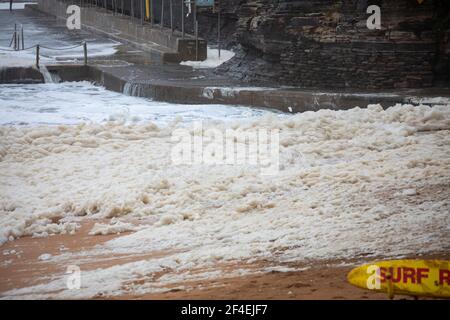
[429, 278]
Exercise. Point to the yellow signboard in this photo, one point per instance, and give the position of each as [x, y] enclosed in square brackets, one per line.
[409, 277]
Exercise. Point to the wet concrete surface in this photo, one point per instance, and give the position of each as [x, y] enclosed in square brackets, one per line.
[48, 31]
[128, 62]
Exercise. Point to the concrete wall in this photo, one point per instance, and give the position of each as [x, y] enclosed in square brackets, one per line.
[24, 75]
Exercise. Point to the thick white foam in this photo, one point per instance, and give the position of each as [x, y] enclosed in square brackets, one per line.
[212, 60]
[344, 190]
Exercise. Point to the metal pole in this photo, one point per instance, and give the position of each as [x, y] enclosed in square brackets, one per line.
[218, 29]
[15, 36]
[132, 9]
[195, 14]
[12, 40]
[85, 53]
[141, 6]
[196, 40]
[23, 41]
[196, 31]
[151, 13]
[182, 18]
[171, 16]
[37, 56]
[162, 14]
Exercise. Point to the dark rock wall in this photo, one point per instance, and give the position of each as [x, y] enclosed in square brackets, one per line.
[325, 43]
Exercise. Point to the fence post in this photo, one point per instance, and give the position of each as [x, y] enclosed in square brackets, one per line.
[37, 56]
[85, 53]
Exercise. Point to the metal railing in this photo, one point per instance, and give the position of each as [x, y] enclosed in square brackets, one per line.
[178, 15]
[171, 14]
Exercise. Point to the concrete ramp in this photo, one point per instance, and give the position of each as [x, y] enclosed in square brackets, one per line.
[162, 44]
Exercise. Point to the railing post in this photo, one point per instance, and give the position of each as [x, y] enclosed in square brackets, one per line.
[182, 17]
[85, 53]
[196, 40]
[132, 10]
[171, 16]
[15, 36]
[196, 31]
[218, 29]
[23, 41]
[162, 14]
[12, 40]
[151, 13]
[141, 7]
[37, 56]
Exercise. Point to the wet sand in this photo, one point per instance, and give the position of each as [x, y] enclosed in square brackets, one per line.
[319, 280]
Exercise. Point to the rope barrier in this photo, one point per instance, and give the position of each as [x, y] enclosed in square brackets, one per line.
[7, 50]
[44, 47]
[39, 47]
[62, 49]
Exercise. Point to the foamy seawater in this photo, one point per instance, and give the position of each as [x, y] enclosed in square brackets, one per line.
[79, 102]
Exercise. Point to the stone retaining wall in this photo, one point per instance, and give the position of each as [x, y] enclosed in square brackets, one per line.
[326, 43]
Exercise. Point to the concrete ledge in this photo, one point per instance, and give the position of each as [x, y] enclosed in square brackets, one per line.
[287, 100]
[162, 44]
[24, 75]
